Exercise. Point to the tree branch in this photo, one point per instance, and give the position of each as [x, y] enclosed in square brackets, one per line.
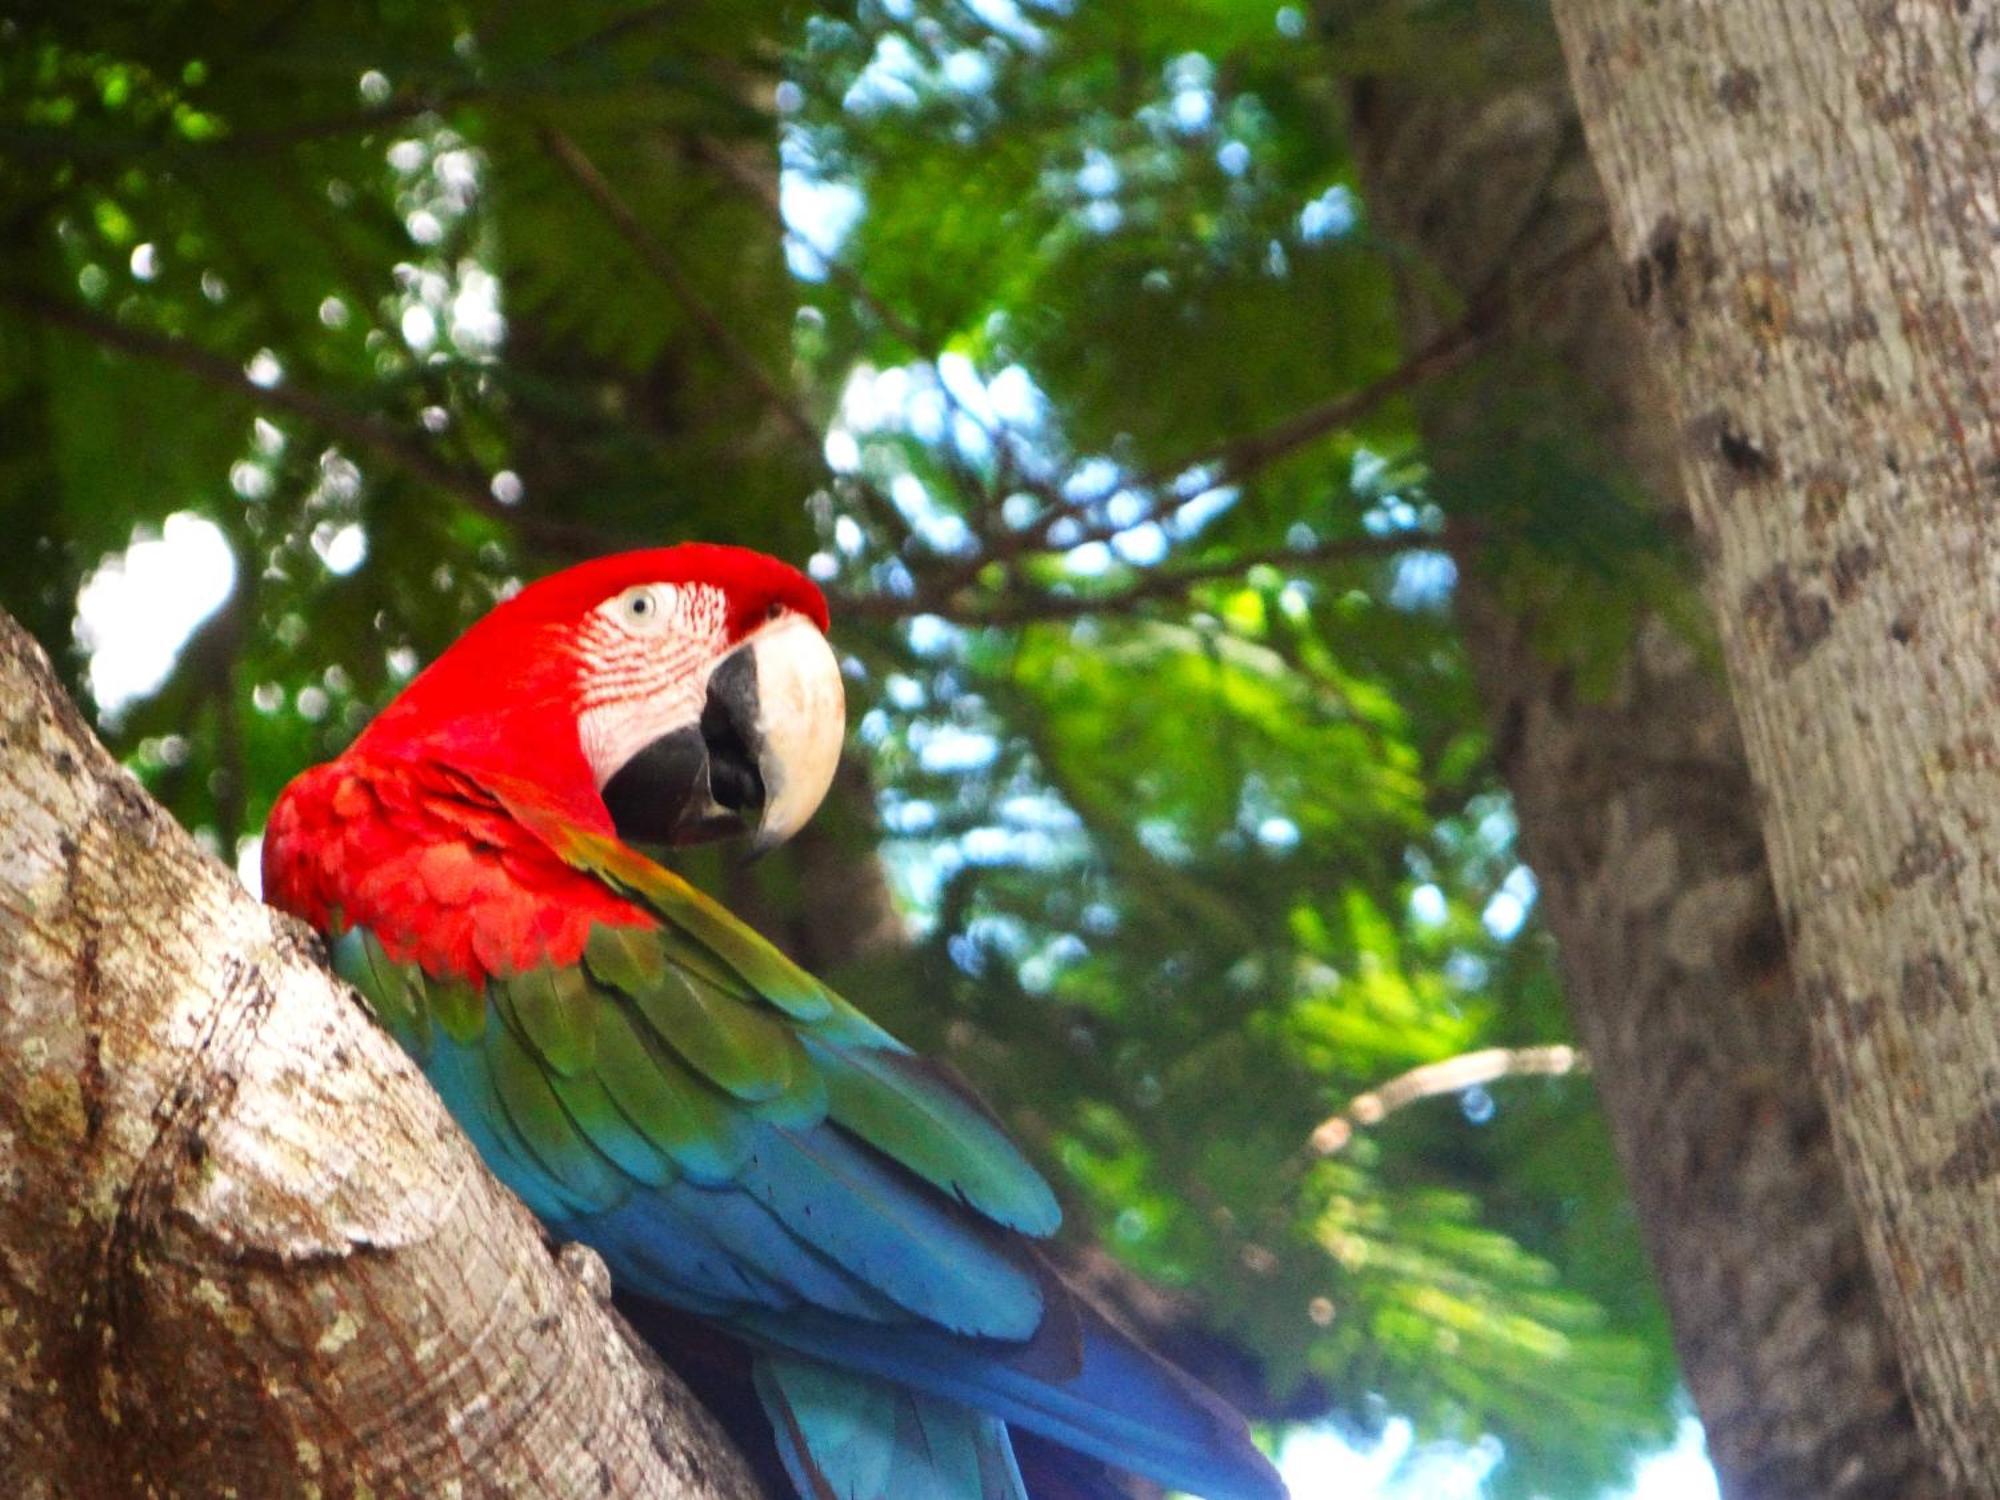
[1449, 1075]
[1027, 607]
[667, 267]
[245, 1249]
[362, 430]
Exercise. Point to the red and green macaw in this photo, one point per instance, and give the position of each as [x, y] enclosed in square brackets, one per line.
[657, 1081]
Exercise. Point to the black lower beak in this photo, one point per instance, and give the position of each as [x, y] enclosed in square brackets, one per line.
[700, 782]
[728, 722]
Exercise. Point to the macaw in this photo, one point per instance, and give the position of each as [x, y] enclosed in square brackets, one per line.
[657, 1081]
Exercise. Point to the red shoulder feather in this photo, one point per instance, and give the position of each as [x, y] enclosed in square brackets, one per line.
[433, 866]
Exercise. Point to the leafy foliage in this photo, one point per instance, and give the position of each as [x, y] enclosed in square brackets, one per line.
[1056, 345]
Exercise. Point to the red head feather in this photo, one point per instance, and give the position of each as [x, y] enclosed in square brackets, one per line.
[394, 834]
[505, 696]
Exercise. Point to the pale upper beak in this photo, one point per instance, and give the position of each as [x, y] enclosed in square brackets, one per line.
[761, 758]
[801, 720]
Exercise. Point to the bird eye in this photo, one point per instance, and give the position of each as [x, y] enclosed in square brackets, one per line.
[774, 611]
[644, 609]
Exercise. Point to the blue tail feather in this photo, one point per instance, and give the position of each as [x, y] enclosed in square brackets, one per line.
[722, 1248]
[844, 1436]
[1122, 1404]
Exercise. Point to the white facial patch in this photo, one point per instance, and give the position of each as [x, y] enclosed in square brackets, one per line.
[647, 653]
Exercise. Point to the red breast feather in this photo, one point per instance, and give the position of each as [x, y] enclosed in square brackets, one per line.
[433, 867]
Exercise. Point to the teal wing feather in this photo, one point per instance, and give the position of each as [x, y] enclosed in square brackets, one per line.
[858, 1438]
[687, 1071]
[737, 1139]
[760, 1027]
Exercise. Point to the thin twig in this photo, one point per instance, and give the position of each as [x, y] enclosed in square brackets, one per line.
[1156, 583]
[1449, 1075]
[842, 274]
[849, 280]
[661, 261]
[540, 78]
[360, 429]
[667, 267]
[1236, 459]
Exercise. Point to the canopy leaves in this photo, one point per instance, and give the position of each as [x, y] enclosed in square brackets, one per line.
[1062, 345]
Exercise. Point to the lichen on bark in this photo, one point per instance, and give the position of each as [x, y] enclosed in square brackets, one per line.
[1637, 812]
[1803, 196]
[243, 1249]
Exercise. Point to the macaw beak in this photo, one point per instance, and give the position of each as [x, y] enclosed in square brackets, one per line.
[759, 761]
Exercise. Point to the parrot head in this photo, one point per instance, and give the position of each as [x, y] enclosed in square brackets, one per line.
[678, 695]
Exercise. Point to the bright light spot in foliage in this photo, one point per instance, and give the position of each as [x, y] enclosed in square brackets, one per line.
[969, 72]
[889, 81]
[138, 608]
[1427, 905]
[264, 369]
[819, 216]
[1142, 546]
[1278, 833]
[1319, 1461]
[145, 261]
[1328, 216]
[1682, 1472]
[1099, 176]
[946, 749]
[420, 329]
[1016, 399]
[251, 481]
[341, 548]
[843, 454]
[1190, 76]
[477, 326]
[1006, 17]
[1509, 907]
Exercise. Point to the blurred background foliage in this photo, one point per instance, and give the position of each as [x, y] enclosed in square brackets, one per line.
[1059, 344]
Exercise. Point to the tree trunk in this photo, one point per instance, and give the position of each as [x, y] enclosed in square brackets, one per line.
[1806, 197]
[244, 1250]
[1638, 817]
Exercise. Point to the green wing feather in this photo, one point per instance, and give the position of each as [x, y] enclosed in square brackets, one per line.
[670, 1044]
[742, 1048]
[911, 1111]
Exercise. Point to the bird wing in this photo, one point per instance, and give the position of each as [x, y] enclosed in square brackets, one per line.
[685, 1083]
[737, 1139]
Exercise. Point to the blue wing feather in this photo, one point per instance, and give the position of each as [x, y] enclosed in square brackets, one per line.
[863, 1221]
[847, 1437]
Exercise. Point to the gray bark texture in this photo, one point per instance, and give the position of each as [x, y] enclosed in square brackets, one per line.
[243, 1249]
[1638, 816]
[1806, 199]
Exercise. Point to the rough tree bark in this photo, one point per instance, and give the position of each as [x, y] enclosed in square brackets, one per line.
[243, 1249]
[1638, 817]
[1806, 196]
